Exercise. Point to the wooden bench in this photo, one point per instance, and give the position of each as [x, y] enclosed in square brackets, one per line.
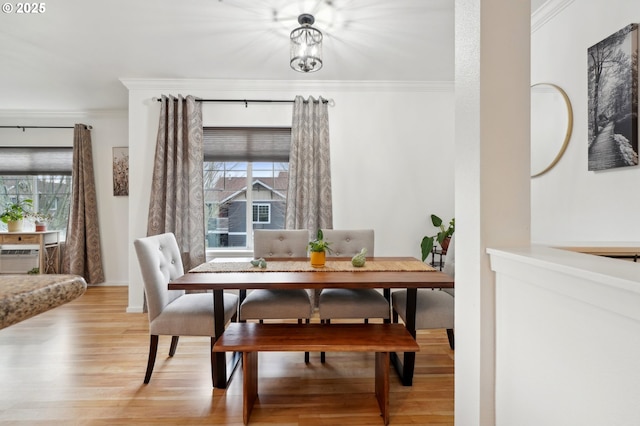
[251, 338]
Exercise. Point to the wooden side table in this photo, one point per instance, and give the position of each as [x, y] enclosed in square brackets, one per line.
[48, 243]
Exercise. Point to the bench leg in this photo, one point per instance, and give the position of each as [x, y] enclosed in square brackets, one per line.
[382, 384]
[249, 384]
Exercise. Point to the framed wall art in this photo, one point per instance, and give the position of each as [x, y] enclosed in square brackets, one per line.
[613, 100]
[120, 171]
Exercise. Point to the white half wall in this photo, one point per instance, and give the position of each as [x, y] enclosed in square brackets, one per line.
[567, 345]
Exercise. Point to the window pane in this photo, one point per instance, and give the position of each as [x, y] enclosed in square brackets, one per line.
[50, 194]
[226, 193]
[261, 213]
[225, 199]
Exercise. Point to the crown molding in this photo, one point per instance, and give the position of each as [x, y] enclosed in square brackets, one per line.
[57, 114]
[546, 12]
[158, 85]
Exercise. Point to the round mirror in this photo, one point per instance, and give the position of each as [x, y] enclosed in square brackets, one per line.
[551, 125]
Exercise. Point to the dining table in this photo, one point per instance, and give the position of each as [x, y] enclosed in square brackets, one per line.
[386, 273]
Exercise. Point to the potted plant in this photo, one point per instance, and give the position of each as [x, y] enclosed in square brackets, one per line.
[15, 213]
[443, 236]
[318, 249]
[40, 220]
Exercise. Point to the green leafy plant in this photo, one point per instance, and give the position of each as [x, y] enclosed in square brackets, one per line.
[33, 271]
[319, 244]
[16, 211]
[444, 232]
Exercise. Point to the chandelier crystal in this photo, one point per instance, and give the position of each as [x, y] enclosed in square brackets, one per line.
[306, 46]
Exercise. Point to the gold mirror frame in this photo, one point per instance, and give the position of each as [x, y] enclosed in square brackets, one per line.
[569, 129]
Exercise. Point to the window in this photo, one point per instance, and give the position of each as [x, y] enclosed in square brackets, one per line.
[246, 174]
[42, 174]
[50, 194]
[261, 213]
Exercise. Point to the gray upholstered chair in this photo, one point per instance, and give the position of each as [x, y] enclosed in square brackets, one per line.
[173, 312]
[434, 308]
[278, 304]
[346, 303]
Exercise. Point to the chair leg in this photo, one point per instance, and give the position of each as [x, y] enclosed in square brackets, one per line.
[306, 354]
[322, 354]
[451, 338]
[153, 349]
[174, 345]
[213, 362]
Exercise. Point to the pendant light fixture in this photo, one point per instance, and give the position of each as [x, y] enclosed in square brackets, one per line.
[306, 46]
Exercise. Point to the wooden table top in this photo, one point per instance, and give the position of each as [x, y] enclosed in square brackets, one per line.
[317, 279]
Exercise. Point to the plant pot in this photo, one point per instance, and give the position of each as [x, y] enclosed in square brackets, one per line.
[14, 226]
[318, 259]
[445, 245]
[41, 226]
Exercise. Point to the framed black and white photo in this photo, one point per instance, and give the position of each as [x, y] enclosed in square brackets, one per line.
[613, 100]
[121, 171]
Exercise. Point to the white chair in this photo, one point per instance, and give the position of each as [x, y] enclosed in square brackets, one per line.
[434, 308]
[278, 304]
[173, 312]
[346, 303]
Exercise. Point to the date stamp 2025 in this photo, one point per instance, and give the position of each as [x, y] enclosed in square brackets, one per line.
[24, 8]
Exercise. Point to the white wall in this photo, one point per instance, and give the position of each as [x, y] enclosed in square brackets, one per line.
[391, 151]
[570, 203]
[109, 130]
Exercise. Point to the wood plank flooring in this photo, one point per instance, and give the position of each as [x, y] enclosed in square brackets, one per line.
[83, 364]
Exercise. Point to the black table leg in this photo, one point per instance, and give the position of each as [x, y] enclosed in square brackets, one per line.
[405, 369]
[220, 374]
[221, 379]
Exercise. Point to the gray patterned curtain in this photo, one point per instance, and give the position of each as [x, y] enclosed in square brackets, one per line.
[309, 202]
[177, 192]
[82, 254]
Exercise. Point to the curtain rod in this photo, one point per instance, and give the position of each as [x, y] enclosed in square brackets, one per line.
[42, 127]
[246, 101]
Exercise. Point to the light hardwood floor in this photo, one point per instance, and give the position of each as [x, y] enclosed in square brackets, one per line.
[83, 364]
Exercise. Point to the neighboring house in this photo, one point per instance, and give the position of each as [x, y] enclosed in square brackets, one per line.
[226, 208]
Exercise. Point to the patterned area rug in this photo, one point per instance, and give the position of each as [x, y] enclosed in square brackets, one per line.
[305, 266]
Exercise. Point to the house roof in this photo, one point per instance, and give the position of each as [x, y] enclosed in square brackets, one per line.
[232, 187]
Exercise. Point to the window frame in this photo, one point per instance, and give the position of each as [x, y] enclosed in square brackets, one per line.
[258, 214]
[230, 148]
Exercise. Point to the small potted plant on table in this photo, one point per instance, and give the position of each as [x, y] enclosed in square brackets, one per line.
[40, 220]
[15, 213]
[318, 249]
